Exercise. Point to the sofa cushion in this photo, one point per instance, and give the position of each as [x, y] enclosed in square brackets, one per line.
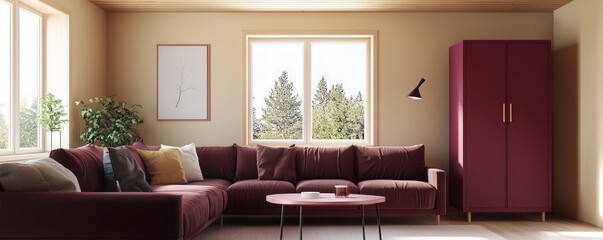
[217, 162]
[247, 164]
[142, 146]
[217, 183]
[251, 194]
[37, 175]
[325, 163]
[190, 162]
[86, 163]
[213, 190]
[276, 163]
[218, 189]
[164, 166]
[401, 194]
[121, 168]
[401, 163]
[325, 185]
[196, 211]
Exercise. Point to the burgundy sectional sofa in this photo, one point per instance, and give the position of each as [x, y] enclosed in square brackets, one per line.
[231, 187]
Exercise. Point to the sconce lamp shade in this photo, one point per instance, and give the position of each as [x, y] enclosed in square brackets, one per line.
[415, 94]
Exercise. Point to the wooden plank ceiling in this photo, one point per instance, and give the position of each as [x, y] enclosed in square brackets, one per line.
[330, 5]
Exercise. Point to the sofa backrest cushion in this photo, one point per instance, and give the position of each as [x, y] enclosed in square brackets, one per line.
[402, 163]
[325, 163]
[86, 163]
[276, 163]
[247, 164]
[217, 162]
[142, 146]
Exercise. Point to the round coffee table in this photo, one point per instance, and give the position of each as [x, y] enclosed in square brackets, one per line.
[326, 200]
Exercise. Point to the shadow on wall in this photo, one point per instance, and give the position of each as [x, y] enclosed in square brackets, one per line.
[565, 131]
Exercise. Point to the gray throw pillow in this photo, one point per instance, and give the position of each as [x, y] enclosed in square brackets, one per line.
[122, 173]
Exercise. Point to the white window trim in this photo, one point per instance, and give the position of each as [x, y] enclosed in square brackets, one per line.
[24, 157]
[43, 9]
[371, 88]
[11, 142]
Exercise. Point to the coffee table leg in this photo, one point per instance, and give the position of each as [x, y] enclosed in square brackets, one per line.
[282, 216]
[363, 234]
[300, 223]
[378, 220]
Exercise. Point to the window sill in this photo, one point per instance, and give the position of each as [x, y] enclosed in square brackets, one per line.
[23, 157]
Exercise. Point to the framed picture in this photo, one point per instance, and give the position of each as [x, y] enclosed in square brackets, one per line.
[183, 82]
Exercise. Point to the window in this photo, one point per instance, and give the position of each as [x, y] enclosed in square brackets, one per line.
[30, 79]
[21, 91]
[310, 89]
[5, 75]
[21, 78]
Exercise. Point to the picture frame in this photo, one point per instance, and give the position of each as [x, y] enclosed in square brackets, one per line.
[183, 82]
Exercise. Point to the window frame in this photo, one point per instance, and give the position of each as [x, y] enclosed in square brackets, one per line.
[369, 37]
[9, 119]
[14, 147]
[41, 81]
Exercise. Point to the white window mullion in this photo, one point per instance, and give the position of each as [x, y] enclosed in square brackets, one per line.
[15, 81]
[41, 79]
[369, 114]
[307, 101]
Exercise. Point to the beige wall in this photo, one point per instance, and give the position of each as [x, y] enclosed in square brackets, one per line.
[410, 46]
[578, 84]
[88, 57]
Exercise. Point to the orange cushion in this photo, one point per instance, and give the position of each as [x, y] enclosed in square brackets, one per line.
[164, 166]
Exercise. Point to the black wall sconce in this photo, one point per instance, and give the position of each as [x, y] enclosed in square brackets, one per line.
[415, 94]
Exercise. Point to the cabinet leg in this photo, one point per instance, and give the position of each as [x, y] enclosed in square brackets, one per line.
[543, 216]
[468, 216]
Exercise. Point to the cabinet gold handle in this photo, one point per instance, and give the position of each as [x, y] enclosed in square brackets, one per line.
[504, 113]
[510, 112]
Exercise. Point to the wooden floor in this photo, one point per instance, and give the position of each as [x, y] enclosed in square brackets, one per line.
[507, 225]
[528, 226]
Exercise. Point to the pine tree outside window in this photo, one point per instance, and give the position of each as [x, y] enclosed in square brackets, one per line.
[310, 89]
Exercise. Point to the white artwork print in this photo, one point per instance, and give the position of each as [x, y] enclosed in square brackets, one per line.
[182, 82]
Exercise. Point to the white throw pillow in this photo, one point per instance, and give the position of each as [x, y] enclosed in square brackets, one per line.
[37, 175]
[190, 162]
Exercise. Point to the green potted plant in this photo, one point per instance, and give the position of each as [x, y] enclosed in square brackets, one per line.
[52, 115]
[112, 124]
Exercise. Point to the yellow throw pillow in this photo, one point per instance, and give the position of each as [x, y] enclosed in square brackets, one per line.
[164, 166]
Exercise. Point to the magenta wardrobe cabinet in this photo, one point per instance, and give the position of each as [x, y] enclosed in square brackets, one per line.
[500, 126]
